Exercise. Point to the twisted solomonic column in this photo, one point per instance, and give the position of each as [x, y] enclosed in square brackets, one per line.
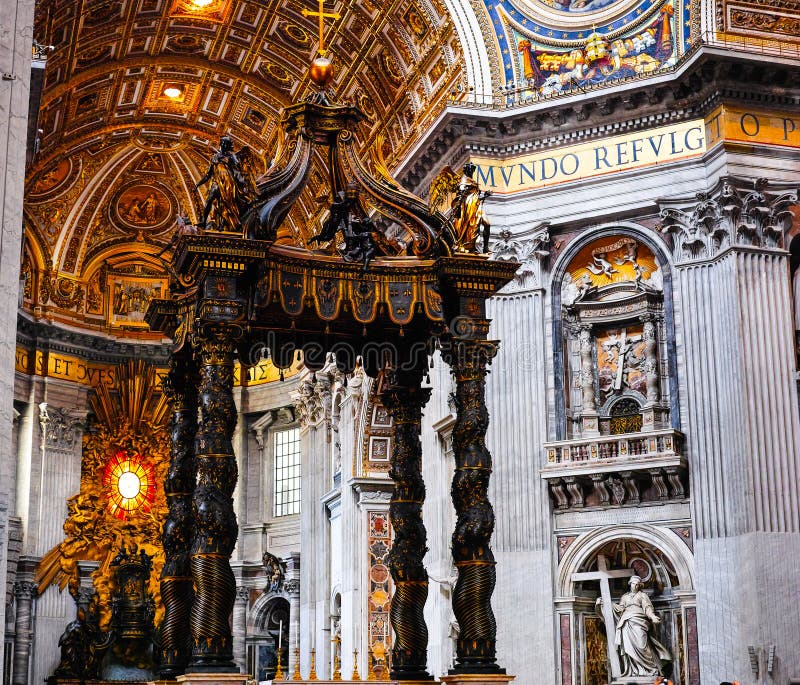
[476, 648]
[180, 386]
[215, 521]
[405, 399]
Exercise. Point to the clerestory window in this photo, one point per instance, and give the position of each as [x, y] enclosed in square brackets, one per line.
[286, 448]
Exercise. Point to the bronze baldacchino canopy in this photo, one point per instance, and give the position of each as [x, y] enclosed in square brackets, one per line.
[388, 279]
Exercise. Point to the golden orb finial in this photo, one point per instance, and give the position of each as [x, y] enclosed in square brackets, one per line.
[321, 71]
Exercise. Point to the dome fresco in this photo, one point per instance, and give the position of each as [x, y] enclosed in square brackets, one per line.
[550, 47]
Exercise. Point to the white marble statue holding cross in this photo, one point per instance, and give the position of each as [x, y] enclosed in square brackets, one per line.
[634, 653]
[604, 575]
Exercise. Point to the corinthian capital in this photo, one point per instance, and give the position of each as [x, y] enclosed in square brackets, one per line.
[312, 401]
[735, 213]
[530, 252]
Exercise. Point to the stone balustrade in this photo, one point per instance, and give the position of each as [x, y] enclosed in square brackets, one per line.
[616, 469]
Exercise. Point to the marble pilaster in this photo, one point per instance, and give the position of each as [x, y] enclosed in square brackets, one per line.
[291, 585]
[16, 27]
[313, 409]
[239, 627]
[742, 422]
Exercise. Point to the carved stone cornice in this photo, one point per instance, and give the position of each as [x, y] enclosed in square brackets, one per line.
[735, 213]
[706, 79]
[61, 429]
[41, 335]
[531, 253]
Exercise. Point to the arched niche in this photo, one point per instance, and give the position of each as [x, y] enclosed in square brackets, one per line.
[616, 390]
[590, 287]
[268, 619]
[663, 560]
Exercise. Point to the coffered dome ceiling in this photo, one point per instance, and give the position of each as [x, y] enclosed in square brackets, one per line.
[137, 94]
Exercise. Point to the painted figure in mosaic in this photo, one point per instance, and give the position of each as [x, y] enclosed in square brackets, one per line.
[641, 654]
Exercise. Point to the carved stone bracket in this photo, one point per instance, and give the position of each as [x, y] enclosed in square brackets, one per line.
[622, 488]
[736, 213]
[292, 586]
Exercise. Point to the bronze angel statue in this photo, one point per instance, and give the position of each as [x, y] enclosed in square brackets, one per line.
[233, 188]
[465, 199]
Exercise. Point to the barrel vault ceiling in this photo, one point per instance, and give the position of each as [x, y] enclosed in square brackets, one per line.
[136, 95]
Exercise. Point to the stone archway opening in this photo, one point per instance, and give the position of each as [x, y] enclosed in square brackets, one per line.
[597, 630]
[270, 636]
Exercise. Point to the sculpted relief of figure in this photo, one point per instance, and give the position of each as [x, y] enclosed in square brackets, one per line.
[641, 654]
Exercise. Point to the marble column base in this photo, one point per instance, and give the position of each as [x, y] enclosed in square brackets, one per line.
[477, 679]
[213, 679]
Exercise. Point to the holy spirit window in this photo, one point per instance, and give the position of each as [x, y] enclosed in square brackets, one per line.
[286, 445]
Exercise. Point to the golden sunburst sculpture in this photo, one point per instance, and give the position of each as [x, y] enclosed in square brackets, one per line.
[129, 480]
[121, 499]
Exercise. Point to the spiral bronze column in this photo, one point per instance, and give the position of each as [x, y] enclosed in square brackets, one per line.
[215, 521]
[404, 399]
[476, 647]
[180, 386]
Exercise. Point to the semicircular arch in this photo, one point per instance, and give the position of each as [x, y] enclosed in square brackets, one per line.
[589, 543]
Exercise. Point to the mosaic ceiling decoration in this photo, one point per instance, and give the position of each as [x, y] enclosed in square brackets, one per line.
[136, 96]
[550, 46]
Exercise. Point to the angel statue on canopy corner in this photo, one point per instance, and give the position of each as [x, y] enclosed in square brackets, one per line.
[467, 220]
[233, 187]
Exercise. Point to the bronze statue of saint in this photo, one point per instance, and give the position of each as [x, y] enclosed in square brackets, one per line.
[233, 186]
[467, 217]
